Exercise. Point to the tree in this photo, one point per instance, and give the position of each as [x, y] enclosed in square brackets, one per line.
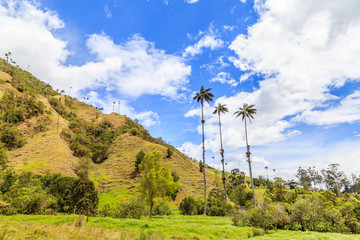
[206, 95]
[221, 108]
[247, 111]
[333, 178]
[139, 157]
[169, 153]
[157, 180]
[304, 178]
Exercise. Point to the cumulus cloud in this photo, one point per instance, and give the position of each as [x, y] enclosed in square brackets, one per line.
[224, 78]
[302, 50]
[131, 68]
[208, 39]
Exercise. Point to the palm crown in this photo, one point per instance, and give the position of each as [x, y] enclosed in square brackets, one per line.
[221, 108]
[204, 94]
[247, 111]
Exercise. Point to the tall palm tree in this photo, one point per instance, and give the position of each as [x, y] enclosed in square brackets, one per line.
[221, 108]
[203, 95]
[247, 111]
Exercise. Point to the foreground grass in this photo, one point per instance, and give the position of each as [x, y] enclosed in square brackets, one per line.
[169, 227]
[290, 235]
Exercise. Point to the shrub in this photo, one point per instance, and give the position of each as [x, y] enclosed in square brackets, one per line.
[11, 138]
[175, 176]
[188, 206]
[132, 209]
[139, 158]
[241, 194]
[169, 153]
[3, 158]
[134, 131]
[218, 208]
[161, 209]
[6, 209]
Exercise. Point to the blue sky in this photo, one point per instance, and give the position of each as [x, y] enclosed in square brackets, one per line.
[297, 61]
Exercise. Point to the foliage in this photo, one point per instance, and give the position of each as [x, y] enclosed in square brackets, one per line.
[241, 195]
[190, 206]
[16, 108]
[157, 180]
[161, 208]
[3, 158]
[169, 153]
[218, 207]
[139, 158]
[87, 140]
[333, 178]
[36, 194]
[11, 137]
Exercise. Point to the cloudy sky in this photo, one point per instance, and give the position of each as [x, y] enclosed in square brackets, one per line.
[298, 61]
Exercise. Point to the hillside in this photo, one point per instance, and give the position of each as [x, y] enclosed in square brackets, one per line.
[111, 141]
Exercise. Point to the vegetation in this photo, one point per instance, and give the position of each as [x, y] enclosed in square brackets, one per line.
[203, 95]
[28, 193]
[247, 111]
[299, 209]
[157, 180]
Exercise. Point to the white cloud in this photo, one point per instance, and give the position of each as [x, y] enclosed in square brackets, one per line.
[303, 50]
[225, 78]
[348, 110]
[132, 68]
[205, 42]
[191, 1]
[208, 39]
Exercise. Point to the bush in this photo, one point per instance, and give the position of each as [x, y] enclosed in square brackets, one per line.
[169, 153]
[188, 206]
[132, 209]
[3, 158]
[139, 158]
[6, 209]
[161, 209]
[241, 195]
[11, 138]
[218, 208]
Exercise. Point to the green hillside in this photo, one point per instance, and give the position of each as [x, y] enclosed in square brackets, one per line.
[67, 130]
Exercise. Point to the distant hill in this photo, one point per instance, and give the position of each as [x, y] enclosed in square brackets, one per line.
[54, 136]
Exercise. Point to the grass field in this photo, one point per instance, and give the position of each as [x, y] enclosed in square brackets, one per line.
[169, 227]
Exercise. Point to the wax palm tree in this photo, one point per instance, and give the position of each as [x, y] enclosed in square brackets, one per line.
[221, 108]
[203, 95]
[247, 111]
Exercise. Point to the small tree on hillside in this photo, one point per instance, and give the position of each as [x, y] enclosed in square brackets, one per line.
[169, 153]
[157, 180]
[139, 157]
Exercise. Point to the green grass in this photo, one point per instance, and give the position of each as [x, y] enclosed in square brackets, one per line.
[167, 227]
[177, 226]
[115, 196]
[290, 235]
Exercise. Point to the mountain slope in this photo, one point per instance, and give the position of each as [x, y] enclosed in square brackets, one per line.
[48, 150]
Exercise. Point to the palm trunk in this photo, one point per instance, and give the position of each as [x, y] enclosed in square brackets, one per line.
[203, 146]
[57, 129]
[248, 157]
[222, 159]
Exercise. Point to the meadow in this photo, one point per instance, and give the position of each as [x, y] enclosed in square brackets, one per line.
[165, 227]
